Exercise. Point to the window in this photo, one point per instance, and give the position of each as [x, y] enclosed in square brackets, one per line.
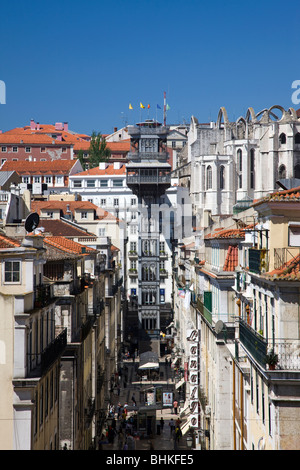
[222, 177]
[173, 144]
[297, 171]
[252, 168]
[48, 179]
[64, 149]
[117, 183]
[116, 202]
[297, 138]
[84, 215]
[43, 149]
[133, 202]
[103, 183]
[162, 296]
[37, 179]
[103, 202]
[77, 184]
[59, 180]
[15, 149]
[208, 177]
[133, 229]
[282, 172]
[102, 232]
[282, 138]
[50, 215]
[3, 149]
[132, 246]
[27, 149]
[12, 271]
[90, 183]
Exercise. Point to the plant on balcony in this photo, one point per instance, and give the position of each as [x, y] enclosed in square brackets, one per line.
[271, 359]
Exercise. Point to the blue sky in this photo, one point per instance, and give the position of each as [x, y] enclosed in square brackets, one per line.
[84, 62]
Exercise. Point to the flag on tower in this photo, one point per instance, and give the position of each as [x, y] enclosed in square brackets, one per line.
[148, 106]
[142, 106]
[168, 107]
[130, 107]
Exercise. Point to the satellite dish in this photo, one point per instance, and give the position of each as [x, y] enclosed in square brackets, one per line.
[32, 222]
[219, 326]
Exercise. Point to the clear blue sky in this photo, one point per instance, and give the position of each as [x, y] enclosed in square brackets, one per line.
[84, 62]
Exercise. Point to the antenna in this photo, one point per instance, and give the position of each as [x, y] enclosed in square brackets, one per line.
[31, 222]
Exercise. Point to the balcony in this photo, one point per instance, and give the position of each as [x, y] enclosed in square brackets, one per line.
[253, 342]
[132, 272]
[148, 179]
[287, 350]
[132, 254]
[53, 350]
[163, 273]
[258, 260]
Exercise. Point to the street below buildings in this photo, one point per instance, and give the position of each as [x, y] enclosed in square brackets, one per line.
[144, 426]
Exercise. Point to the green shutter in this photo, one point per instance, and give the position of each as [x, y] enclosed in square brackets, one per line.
[208, 300]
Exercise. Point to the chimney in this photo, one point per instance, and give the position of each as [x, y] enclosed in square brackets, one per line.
[102, 166]
[32, 124]
[58, 126]
[66, 126]
[38, 126]
[115, 129]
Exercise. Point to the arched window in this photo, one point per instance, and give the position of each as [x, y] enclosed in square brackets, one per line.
[282, 172]
[252, 168]
[282, 138]
[297, 138]
[222, 177]
[208, 177]
[297, 171]
[239, 167]
[239, 160]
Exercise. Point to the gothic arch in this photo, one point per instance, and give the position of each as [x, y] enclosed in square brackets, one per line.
[250, 114]
[293, 113]
[238, 128]
[222, 112]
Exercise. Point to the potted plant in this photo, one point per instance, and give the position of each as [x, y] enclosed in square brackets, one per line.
[271, 359]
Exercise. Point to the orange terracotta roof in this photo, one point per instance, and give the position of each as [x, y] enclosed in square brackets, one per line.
[26, 168]
[7, 242]
[289, 271]
[288, 195]
[110, 170]
[37, 206]
[57, 227]
[29, 139]
[231, 258]
[227, 233]
[69, 246]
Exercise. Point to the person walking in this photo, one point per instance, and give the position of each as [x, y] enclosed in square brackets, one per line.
[175, 406]
[172, 426]
[162, 423]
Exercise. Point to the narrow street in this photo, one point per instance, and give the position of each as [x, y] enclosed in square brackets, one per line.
[161, 437]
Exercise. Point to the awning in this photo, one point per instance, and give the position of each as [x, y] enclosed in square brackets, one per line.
[174, 361]
[181, 382]
[149, 360]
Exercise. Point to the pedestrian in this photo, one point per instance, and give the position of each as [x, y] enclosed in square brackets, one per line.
[162, 423]
[133, 400]
[130, 442]
[175, 405]
[172, 426]
[178, 433]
